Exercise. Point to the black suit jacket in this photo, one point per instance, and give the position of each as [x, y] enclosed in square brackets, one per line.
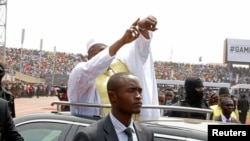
[182, 114]
[243, 104]
[103, 130]
[8, 130]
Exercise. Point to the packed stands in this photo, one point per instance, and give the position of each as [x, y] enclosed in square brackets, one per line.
[36, 64]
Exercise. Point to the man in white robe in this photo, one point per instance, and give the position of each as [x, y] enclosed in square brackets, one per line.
[137, 58]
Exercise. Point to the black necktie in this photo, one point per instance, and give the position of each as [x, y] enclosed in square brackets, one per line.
[128, 131]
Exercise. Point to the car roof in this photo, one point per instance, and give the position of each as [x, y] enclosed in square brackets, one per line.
[52, 117]
[183, 123]
[176, 122]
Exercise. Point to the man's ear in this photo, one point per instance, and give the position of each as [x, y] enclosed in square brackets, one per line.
[112, 96]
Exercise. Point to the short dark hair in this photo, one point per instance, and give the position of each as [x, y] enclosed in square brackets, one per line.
[223, 90]
[114, 80]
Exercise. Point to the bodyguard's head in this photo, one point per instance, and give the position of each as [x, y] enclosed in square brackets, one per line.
[193, 83]
[125, 93]
[194, 90]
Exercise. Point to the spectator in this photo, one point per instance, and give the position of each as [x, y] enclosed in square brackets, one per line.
[125, 95]
[243, 107]
[227, 106]
[194, 98]
[162, 98]
[8, 130]
[169, 97]
[169, 100]
[223, 92]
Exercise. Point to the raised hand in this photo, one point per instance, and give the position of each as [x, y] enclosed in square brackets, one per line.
[148, 23]
[132, 33]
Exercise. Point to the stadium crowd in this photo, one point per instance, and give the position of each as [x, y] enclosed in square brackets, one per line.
[66, 61]
[41, 63]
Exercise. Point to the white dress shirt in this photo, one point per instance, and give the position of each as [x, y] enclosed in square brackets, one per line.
[224, 119]
[119, 129]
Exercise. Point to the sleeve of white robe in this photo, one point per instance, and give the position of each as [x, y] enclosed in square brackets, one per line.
[81, 84]
[138, 58]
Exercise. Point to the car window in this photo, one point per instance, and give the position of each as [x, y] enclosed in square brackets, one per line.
[42, 131]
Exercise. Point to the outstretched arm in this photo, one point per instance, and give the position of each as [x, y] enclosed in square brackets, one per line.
[130, 35]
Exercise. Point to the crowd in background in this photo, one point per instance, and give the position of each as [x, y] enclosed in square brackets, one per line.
[32, 58]
[22, 89]
[39, 63]
[208, 72]
[36, 62]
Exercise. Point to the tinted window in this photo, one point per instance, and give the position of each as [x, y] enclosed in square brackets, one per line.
[42, 131]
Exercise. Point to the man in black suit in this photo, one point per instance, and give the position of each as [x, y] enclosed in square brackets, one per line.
[125, 95]
[193, 98]
[8, 130]
[6, 95]
[243, 107]
[227, 107]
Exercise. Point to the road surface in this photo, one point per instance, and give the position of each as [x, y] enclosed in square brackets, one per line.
[25, 106]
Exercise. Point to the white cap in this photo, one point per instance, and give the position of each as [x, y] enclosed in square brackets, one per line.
[92, 42]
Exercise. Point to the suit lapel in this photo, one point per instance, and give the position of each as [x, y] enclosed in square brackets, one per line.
[109, 129]
[139, 132]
